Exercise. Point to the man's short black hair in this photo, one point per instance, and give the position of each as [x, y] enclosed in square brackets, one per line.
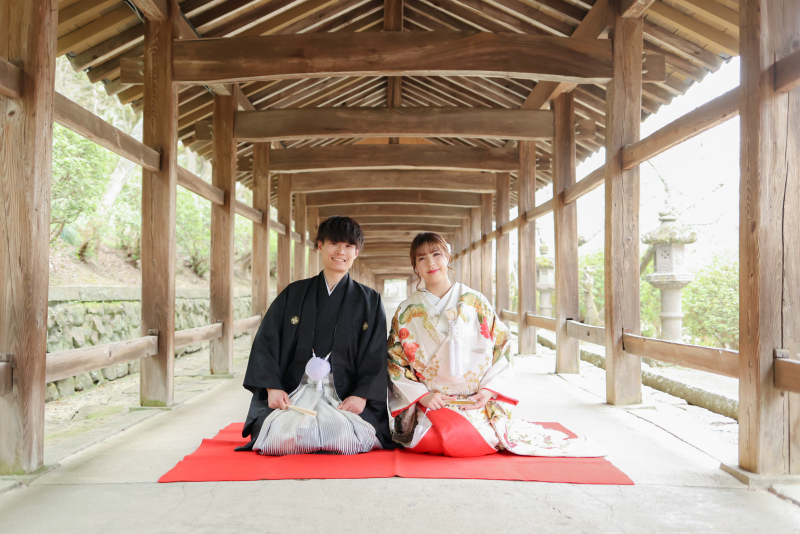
[338, 229]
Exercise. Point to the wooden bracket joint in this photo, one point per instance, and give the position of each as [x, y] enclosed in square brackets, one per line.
[6, 373]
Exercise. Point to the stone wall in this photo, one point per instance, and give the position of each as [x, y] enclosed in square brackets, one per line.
[84, 316]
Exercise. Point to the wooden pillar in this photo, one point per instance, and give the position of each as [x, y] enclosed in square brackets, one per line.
[566, 235]
[158, 210]
[412, 283]
[466, 265]
[486, 246]
[503, 247]
[380, 285]
[28, 38]
[260, 257]
[284, 241]
[456, 247]
[623, 116]
[222, 228]
[769, 247]
[314, 266]
[526, 284]
[475, 254]
[300, 224]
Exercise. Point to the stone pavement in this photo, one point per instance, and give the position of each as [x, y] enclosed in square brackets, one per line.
[111, 485]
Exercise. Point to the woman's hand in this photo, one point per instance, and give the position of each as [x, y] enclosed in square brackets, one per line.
[278, 399]
[434, 401]
[480, 398]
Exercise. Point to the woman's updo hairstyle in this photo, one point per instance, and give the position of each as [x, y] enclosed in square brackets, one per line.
[425, 243]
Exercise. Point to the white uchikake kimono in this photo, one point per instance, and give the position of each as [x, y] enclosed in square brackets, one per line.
[456, 346]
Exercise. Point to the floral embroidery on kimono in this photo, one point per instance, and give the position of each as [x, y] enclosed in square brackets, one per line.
[456, 346]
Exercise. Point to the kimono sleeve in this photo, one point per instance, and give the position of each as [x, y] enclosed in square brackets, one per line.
[405, 388]
[371, 382]
[500, 378]
[264, 368]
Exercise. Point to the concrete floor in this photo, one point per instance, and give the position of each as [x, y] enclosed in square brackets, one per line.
[111, 486]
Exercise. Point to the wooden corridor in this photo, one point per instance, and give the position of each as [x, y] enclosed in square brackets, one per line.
[439, 115]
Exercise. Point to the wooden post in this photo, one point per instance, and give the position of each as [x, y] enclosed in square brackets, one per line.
[503, 247]
[456, 247]
[623, 116]
[486, 247]
[380, 285]
[259, 299]
[28, 38]
[314, 266]
[566, 235]
[475, 254]
[466, 265]
[769, 247]
[411, 286]
[284, 241]
[300, 249]
[158, 209]
[222, 228]
[526, 284]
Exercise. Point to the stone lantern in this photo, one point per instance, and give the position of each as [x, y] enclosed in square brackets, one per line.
[545, 281]
[670, 276]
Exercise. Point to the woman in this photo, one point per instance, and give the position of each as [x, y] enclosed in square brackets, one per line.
[452, 382]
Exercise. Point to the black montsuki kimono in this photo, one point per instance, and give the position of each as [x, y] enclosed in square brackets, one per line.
[350, 323]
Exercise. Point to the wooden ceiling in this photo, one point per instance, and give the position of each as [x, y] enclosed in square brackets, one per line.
[695, 36]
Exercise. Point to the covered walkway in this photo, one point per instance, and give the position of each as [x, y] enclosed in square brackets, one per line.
[112, 486]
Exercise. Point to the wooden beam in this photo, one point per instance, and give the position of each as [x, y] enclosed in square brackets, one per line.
[697, 121]
[409, 229]
[589, 183]
[437, 198]
[284, 258]
[27, 38]
[585, 332]
[540, 321]
[623, 119]
[787, 374]
[10, 79]
[395, 220]
[635, 9]
[200, 187]
[398, 210]
[262, 183]
[153, 9]
[67, 363]
[300, 225]
[192, 336]
[565, 217]
[331, 181]
[769, 243]
[405, 157]
[248, 212]
[526, 240]
[787, 73]
[249, 324]
[393, 22]
[222, 229]
[534, 57]
[487, 269]
[158, 211]
[311, 123]
[85, 123]
[712, 360]
[718, 40]
[503, 249]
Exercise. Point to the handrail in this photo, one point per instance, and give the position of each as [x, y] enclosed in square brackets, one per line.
[243, 325]
[64, 364]
[787, 374]
[509, 316]
[190, 336]
[585, 332]
[200, 187]
[718, 361]
[248, 212]
[540, 321]
[586, 185]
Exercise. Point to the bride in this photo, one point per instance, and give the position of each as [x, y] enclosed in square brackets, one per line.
[453, 386]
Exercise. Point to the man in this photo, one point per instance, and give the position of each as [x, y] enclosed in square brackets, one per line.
[329, 314]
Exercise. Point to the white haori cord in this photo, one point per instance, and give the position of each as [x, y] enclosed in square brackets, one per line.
[317, 368]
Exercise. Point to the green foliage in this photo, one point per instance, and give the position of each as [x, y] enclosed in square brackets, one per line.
[126, 220]
[594, 265]
[80, 171]
[711, 305]
[193, 230]
[650, 298]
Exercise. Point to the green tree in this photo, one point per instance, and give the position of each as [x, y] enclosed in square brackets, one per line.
[193, 230]
[711, 305]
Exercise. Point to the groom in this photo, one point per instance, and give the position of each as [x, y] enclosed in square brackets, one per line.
[329, 313]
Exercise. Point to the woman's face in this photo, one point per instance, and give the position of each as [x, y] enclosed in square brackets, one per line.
[432, 266]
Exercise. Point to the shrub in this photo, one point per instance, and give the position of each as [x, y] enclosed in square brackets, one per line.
[711, 305]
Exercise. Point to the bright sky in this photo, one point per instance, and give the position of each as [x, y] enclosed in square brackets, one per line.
[702, 175]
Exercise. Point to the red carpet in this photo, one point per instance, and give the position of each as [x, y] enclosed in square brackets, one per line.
[215, 460]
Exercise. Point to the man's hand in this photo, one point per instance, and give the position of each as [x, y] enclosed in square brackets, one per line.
[353, 404]
[278, 399]
[480, 398]
[434, 401]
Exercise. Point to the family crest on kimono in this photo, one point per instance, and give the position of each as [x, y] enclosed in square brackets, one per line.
[317, 368]
[453, 386]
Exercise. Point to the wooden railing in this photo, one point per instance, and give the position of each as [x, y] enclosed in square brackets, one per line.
[585, 332]
[540, 321]
[787, 373]
[718, 361]
[244, 325]
[73, 362]
[190, 336]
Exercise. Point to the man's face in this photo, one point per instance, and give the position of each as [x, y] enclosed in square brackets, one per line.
[337, 257]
